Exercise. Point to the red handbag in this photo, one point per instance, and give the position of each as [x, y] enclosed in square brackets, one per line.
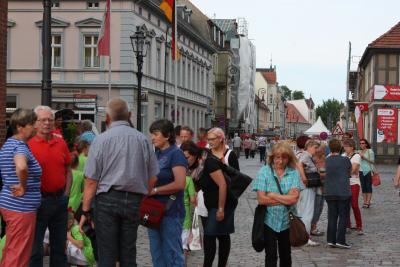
[151, 212]
[376, 179]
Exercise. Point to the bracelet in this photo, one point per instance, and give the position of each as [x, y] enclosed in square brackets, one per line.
[220, 209]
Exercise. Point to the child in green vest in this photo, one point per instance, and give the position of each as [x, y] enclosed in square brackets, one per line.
[76, 193]
[79, 246]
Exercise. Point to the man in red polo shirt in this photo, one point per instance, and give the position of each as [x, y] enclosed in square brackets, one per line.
[53, 156]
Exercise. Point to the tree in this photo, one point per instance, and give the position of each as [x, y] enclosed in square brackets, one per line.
[286, 92]
[297, 95]
[329, 112]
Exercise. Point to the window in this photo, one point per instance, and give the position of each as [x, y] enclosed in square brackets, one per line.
[144, 118]
[90, 51]
[387, 69]
[194, 78]
[159, 62]
[140, 11]
[183, 84]
[271, 98]
[55, 3]
[158, 22]
[56, 51]
[11, 101]
[148, 59]
[157, 111]
[93, 4]
[270, 116]
[198, 80]
[149, 16]
[167, 70]
[189, 85]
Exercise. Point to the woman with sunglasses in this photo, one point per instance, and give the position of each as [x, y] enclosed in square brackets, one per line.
[366, 168]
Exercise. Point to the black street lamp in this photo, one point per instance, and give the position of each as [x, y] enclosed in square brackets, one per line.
[46, 52]
[139, 45]
[263, 92]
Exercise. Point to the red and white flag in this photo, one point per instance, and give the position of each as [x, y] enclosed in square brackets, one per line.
[103, 43]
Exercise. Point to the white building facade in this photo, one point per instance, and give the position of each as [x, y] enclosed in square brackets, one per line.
[80, 77]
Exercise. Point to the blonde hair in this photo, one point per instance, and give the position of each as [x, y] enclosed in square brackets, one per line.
[311, 143]
[218, 132]
[283, 148]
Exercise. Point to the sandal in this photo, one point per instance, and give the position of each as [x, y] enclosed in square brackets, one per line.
[365, 206]
[317, 232]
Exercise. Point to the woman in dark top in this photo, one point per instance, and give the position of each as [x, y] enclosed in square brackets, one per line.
[337, 194]
[166, 242]
[220, 204]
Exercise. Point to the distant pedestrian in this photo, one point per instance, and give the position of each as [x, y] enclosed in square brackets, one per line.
[337, 195]
[120, 169]
[202, 137]
[262, 144]
[349, 146]
[237, 144]
[282, 166]
[186, 134]
[253, 147]
[166, 241]
[220, 205]
[367, 166]
[52, 153]
[20, 196]
[87, 132]
[320, 162]
[307, 166]
[396, 179]
[246, 146]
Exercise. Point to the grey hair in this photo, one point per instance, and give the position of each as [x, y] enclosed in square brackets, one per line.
[86, 125]
[43, 108]
[118, 109]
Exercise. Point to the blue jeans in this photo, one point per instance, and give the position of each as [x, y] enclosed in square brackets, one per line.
[338, 214]
[116, 223]
[166, 243]
[366, 182]
[53, 214]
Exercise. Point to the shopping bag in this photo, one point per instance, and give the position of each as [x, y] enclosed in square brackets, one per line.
[376, 179]
[195, 242]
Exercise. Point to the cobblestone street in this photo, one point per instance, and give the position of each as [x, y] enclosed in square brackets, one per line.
[379, 246]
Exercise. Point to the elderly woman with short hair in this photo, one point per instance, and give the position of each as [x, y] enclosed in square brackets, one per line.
[20, 196]
[281, 167]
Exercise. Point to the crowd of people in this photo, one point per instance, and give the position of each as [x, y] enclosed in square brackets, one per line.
[80, 205]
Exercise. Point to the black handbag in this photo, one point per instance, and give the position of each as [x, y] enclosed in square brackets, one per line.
[257, 231]
[313, 179]
[237, 181]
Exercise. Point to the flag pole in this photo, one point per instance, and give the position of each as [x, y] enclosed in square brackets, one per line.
[165, 73]
[109, 57]
[176, 65]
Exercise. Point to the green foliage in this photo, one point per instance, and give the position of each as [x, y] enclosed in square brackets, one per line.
[286, 92]
[297, 95]
[329, 112]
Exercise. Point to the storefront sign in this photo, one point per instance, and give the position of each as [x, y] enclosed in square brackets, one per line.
[363, 106]
[387, 124]
[387, 92]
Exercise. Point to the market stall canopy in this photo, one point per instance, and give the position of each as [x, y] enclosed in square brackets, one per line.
[317, 128]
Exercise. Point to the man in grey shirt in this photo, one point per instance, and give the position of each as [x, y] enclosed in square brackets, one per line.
[121, 167]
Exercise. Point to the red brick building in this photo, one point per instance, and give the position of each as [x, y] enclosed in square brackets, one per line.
[3, 59]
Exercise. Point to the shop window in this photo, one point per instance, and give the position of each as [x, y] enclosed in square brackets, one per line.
[144, 119]
[11, 101]
[157, 111]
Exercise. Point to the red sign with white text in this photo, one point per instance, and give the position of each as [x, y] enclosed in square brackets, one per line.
[387, 92]
[386, 131]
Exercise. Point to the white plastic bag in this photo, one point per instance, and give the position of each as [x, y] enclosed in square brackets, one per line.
[201, 207]
[195, 242]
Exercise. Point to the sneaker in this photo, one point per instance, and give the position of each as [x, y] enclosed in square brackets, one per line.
[360, 232]
[332, 245]
[344, 245]
[312, 243]
[317, 232]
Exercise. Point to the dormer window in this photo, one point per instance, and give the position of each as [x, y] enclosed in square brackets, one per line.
[93, 4]
[55, 3]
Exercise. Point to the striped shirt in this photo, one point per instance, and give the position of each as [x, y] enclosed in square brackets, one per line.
[30, 201]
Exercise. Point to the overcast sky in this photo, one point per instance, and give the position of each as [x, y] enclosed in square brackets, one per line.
[308, 39]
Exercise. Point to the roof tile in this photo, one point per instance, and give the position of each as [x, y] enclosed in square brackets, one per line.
[390, 39]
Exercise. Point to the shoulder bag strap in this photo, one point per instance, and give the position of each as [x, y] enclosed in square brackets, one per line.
[278, 184]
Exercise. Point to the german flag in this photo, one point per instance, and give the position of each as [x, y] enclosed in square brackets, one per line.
[168, 6]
